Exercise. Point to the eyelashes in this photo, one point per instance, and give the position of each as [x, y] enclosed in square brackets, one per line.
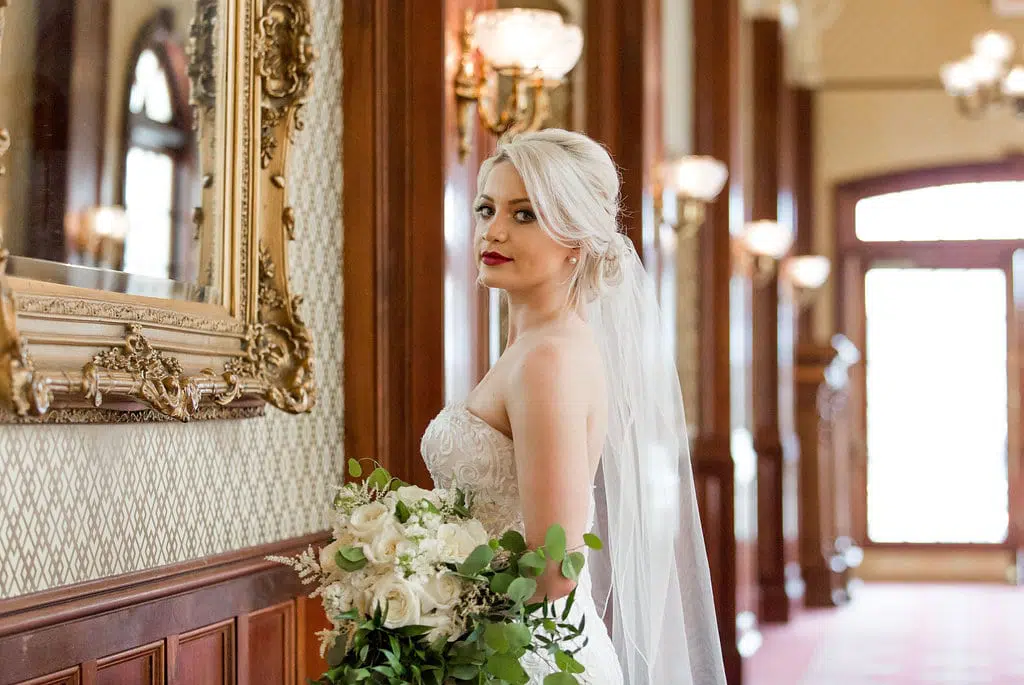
[522, 216]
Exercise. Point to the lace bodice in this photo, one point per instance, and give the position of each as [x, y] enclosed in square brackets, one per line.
[460, 447]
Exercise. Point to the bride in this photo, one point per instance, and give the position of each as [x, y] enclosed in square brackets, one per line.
[580, 422]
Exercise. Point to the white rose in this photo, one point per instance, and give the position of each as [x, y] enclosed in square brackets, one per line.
[456, 543]
[412, 494]
[441, 590]
[384, 547]
[400, 600]
[476, 531]
[442, 626]
[327, 554]
[367, 520]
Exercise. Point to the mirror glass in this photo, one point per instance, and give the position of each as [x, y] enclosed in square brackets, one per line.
[110, 107]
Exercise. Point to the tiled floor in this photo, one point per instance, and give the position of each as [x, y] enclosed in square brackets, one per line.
[900, 635]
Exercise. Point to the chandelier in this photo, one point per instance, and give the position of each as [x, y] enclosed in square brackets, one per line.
[986, 77]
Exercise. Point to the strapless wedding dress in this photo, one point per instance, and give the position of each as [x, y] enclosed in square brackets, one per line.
[459, 446]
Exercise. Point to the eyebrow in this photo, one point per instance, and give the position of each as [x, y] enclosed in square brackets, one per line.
[518, 201]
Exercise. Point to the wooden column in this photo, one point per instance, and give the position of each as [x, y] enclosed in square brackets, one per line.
[801, 152]
[716, 74]
[776, 450]
[623, 107]
[394, 152]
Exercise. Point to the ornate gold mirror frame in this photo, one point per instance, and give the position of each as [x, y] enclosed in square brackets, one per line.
[72, 354]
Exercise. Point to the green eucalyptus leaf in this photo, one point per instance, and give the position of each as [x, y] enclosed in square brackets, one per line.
[495, 637]
[507, 668]
[572, 565]
[522, 589]
[350, 558]
[477, 560]
[560, 679]
[379, 479]
[336, 654]
[397, 483]
[402, 512]
[567, 663]
[500, 582]
[464, 671]
[518, 635]
[513, 542]
[554, 543]
[592, 541]
[354, 469]
[532, 564]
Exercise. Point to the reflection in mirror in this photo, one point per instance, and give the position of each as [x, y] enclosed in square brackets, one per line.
[111, 172]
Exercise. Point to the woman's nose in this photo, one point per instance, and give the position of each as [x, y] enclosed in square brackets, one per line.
[495, 232]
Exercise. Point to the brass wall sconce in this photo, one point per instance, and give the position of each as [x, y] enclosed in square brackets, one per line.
[534, 49]
[987, 77]
[807, 274]
[692, 182]
[766, 243]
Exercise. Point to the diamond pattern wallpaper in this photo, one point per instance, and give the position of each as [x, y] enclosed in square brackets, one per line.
[84, 502]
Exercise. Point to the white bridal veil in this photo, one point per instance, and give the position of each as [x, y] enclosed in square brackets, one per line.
[654, 578]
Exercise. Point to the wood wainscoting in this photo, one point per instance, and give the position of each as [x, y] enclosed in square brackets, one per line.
[233, 619]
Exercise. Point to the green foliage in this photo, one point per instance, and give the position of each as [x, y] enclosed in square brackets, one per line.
[494, 642]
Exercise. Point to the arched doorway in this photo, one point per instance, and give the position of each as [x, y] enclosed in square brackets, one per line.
[931, 290]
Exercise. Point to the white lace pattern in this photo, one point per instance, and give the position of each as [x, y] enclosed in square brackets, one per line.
[460, 447]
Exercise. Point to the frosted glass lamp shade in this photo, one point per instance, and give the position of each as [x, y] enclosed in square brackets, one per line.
[564, 54]
[697, 177]
[994, 46]
[809, 272]
[768, 239]
[518, 38]
[958, 78]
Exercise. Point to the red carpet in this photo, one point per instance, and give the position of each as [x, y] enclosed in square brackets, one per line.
[900, 635]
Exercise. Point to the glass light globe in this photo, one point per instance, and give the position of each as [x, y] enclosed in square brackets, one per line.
[809, 271]
[1013, 84]
[517, 38]
[564, 54]
[986, 70]
[696, 176]
[994, 46]
[768, 238]
[958, 78]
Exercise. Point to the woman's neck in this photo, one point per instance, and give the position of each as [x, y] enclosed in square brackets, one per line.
[530, 311]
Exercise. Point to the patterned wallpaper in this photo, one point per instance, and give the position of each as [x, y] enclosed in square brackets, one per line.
[84, 502]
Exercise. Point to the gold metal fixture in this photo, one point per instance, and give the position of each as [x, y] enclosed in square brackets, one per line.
[766, 243]
[532, 49]
[807, 274]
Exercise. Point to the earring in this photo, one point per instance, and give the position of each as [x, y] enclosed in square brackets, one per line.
[573, 260]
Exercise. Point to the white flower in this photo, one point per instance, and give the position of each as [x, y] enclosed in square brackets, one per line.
[412, 494]
[384, 547]
[366, 521]
[440, 591]
[458, 540]
[400, 599]
[443, 626]
[327, 563]
[340, 597]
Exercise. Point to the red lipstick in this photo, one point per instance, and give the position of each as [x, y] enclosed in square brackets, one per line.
[494, 258]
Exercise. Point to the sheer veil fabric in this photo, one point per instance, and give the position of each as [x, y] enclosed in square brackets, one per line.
[653, 577]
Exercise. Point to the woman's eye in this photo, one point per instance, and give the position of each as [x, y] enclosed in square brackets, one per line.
[484, 212]
[524, 216]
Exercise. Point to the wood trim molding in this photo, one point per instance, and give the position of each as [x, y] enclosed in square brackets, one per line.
[80, 624]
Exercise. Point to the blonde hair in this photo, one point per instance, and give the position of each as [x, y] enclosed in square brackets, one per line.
[573, 185]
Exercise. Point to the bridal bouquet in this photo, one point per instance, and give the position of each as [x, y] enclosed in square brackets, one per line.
[418, 593]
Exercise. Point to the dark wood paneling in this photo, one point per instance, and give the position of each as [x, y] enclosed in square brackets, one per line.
[271, 645]
[205, 656]
[85, 624]
[141, 666]
[311, 619]
[716, 81]
[801, 150]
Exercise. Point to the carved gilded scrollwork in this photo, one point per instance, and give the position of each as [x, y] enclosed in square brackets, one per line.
[163, 365]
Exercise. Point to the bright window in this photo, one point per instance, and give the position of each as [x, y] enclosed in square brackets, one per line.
[963, 211]
[936, 405]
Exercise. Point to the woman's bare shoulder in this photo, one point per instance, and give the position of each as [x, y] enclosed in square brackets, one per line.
[567, 354]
